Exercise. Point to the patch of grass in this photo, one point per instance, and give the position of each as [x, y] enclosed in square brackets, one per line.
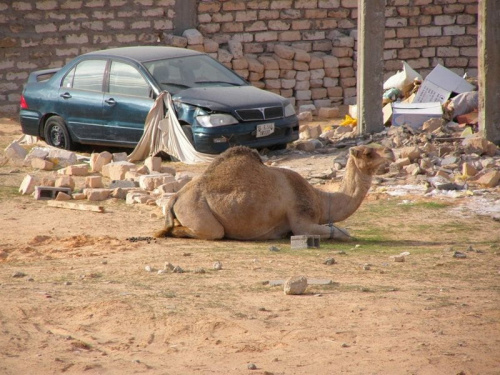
[7, 192]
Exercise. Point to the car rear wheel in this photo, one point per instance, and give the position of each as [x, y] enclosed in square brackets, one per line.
[56, 133]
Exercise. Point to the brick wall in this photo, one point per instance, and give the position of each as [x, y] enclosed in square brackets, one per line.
[303, 49]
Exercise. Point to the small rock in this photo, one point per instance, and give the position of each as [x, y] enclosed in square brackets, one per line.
[366, 267]
[252, 366]
[161, 272]
[148, 269]
[177, 269]
[399, 258]
[345, 345]
[168, 266]
[459, 255]
[18, 274]
[217, 266]
[295, 285]
[274, 248]
[199, 270]
[329, 261]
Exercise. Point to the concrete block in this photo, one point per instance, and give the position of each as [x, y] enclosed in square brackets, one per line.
[97, 161]
[153, 163]
[62, 196]
[49, 192]
[304, 242]
[15, 151]
[117, 170]
[97, 194]
[61, 158]
[79, 196]
[65, 181]
[332, 112]
[120, 156]
[42, 164]
[152, 181]
[28, 185]
[489, 179]
[37, 152]
[122, 184]
[94, 182]
[75, 170]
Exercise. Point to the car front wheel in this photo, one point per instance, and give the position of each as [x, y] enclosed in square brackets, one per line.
[56, 133]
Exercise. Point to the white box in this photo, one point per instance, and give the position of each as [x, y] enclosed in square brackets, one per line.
[439, 84]
[415, 114]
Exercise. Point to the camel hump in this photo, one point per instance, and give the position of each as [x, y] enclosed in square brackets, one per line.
[236, 152]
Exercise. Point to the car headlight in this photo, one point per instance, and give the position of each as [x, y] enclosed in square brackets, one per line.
[215, 120]
[289, 110]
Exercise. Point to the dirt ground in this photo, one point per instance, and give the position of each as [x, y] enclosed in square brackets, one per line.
[76, 297]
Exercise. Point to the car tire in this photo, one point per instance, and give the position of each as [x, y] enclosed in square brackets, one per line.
[56, 133]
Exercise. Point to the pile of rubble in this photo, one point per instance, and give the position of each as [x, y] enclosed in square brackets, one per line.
[100, 177]
[436, 154]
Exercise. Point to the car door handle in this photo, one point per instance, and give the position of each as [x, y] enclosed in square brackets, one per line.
[110, 101]
[66, 95]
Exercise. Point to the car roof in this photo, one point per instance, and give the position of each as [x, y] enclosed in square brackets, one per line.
[145, 53]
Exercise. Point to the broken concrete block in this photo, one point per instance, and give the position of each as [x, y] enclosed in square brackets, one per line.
[93, 182]
[75, 170]
[97, 194]
[306, 116]
[28, 185]
[152, 181]
[47, 181]
[50, 192]
[65, 181]
[169, 187]
[36, 152]
[468, 170]
[307, 146]
[304, 242]
[401, 163]
[61, 196]
[42, 164]
[79, 196]
[121, 193]
[432, 125]
[412, 153]
[120, 156]
[295, 285]
[97, 161]
[153, 163]
[61, 158]
[170, 170]
[15, 151]
[479, 145]
[122, 184]
[329, 112]
[117, 170]
[138, 197]
[489, 179]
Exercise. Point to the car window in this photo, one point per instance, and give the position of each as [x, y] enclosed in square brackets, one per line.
[125, 79]
[88, 75]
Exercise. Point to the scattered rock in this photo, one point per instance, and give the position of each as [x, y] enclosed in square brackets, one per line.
[329, 261]
[295, 285]
[148, 269]
[459, 255]
[252, 366]
[217, 266]
[274, 248]
[177, 269]
[18, 274]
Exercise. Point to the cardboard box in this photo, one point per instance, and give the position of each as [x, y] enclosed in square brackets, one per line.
[415, 114]
[439, 84]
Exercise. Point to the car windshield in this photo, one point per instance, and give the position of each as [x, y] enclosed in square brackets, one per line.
[181, 73]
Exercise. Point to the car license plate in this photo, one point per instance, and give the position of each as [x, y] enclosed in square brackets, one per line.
[265, 129]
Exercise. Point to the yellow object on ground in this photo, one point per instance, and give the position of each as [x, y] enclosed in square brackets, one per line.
[349, 121]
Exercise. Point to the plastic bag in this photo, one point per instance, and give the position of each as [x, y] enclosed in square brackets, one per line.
[402, 80]
[349, 121]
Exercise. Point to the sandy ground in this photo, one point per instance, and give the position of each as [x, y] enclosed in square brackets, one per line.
[76, 297]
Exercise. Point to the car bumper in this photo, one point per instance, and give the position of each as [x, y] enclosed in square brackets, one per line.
[217, 140]
[30, 122]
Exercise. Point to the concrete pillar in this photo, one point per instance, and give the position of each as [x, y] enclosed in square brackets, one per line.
[185, 16]
[489, 69]
[371, 37]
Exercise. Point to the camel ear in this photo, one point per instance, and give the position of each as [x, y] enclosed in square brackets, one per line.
[354, 152]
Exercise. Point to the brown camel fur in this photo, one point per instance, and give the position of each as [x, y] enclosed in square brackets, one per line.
[238, 197]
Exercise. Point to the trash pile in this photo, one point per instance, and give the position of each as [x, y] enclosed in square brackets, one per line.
[431, 124]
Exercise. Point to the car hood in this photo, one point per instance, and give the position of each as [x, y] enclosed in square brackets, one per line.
[218, 98]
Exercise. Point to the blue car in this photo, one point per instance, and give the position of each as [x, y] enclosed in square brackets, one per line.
[103, 98]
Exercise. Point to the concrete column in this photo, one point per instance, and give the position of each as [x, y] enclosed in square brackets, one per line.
[371, 37]
[185, 15]
[489, 69]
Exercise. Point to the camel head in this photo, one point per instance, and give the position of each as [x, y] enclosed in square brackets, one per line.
[368, 158]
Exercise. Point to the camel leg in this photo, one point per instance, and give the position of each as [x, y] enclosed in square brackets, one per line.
[195, 222]
[302, 227]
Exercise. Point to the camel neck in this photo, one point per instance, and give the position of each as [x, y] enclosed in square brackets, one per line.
[338, 206]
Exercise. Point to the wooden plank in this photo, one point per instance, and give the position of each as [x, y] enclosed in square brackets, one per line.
[76, 206]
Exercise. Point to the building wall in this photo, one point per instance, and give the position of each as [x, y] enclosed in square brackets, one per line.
[319, 67]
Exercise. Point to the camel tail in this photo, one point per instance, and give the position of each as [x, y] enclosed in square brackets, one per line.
[166, 231]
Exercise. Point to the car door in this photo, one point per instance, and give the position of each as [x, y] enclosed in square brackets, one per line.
[127, 102]
[81, 99]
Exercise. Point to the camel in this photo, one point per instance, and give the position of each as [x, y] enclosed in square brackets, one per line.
[238, 197]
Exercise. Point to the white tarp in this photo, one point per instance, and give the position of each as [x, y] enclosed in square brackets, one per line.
[166, 134]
